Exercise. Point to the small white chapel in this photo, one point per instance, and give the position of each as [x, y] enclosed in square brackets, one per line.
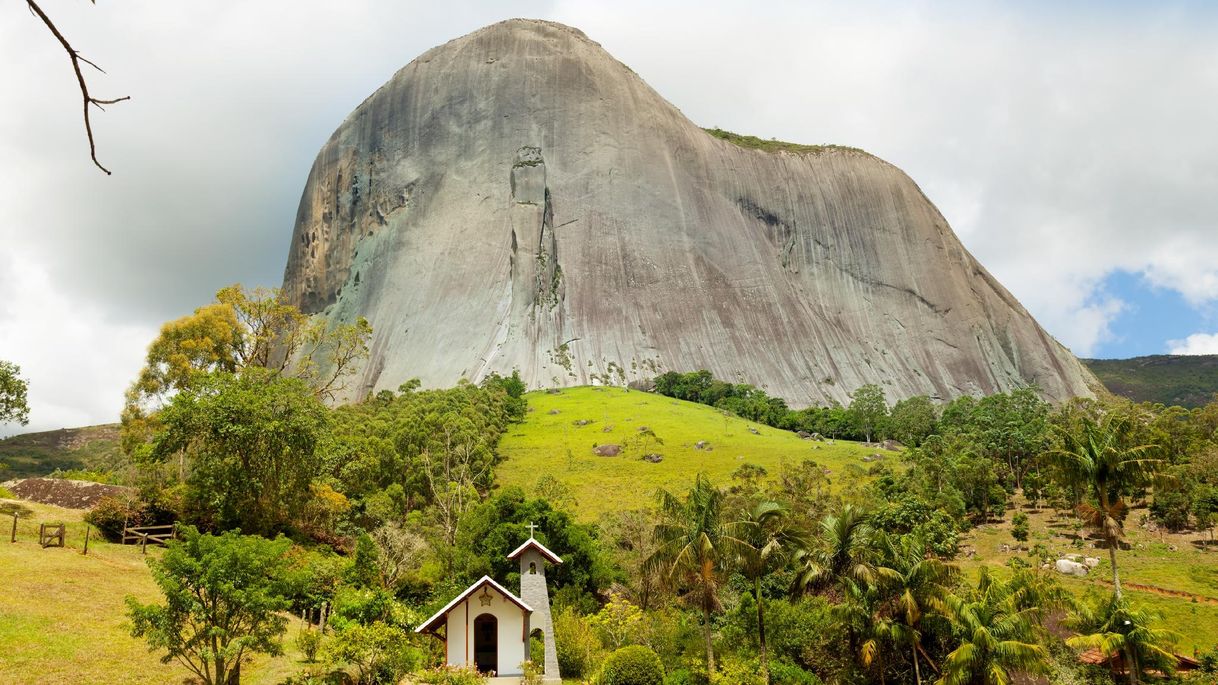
[489, 627]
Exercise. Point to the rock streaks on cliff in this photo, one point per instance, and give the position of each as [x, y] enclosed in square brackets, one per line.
[518, 199]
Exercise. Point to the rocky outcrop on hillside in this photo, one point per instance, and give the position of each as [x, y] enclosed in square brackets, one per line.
[518, 199]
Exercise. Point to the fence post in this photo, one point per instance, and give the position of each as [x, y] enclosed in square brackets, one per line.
[88, 530]
[14, 537]
[143, 542]
[42, 528]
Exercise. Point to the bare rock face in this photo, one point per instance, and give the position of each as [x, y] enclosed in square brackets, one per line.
[518, 199]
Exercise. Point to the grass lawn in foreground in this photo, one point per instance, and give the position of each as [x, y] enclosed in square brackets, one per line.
[552, 441]
[63, 618]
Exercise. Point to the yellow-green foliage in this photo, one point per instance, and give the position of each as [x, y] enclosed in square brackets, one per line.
[755, 143]
[553, 443]
[62, 617]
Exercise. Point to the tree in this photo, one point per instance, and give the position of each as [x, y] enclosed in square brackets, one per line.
[913, 419]
[916, 584]
[223, 603]
[252, 441]
[76, 58]
[398, 551]
[694, 548]
[243, 329]
[868, 410]
[766, 541]
[843, 552]
[1098, 458]
[995, 633]
[14, 390]
[1114, 628]
[1019, 526]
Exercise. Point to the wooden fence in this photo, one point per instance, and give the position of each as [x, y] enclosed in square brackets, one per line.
[142, 535]
[50, 535]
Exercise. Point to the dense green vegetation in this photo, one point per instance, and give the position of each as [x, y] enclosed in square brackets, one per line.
[93, 448]
[722, 547]
[1185, 380]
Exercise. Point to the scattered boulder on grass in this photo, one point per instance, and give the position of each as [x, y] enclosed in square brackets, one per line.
[754, 431]
[702, 445]
[1091, 562]
[607, 450]
[580, 423]
[644, 429]
[607, 429]
[1070, 568]
[552, 412]
[553, 391]
[873, 457]
[892, 445]
[653, 458]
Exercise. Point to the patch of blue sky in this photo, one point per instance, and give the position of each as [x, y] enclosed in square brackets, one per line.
[1150, 317]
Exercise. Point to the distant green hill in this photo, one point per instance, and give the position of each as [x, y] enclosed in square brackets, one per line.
[558, 436]
[1188, 381]
[37, 454]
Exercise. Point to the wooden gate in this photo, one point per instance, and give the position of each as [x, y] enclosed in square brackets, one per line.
[142, 535]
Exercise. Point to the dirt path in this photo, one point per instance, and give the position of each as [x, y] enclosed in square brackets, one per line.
[1161, 591]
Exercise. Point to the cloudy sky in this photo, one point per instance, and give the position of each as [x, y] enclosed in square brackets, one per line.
[1072, 146]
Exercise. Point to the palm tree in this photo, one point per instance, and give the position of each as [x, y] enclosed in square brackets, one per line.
[844, 553]
[1097, 458]
[765, 543]
[1111, 626]
[915, 584]
[694, 546]
[996, 635]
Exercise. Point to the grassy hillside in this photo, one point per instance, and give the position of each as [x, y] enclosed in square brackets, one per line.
[1188, 381]
[37, 454]
[1170, 573]
[552, 441]
[62, 614]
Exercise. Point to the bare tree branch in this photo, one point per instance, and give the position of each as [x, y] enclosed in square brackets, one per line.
[80, 78]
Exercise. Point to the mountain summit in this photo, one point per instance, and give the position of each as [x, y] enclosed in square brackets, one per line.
[519, 199]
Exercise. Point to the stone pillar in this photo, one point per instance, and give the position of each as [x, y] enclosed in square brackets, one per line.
[534, 592]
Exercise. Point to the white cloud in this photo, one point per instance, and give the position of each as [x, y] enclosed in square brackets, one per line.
[1063, 142]
[78, 361]
[1197, 343]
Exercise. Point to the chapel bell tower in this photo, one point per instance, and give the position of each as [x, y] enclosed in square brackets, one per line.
[533, 557]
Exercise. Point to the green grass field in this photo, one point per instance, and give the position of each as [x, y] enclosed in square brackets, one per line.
[62, 614]
[550, 442]
[1151, 563]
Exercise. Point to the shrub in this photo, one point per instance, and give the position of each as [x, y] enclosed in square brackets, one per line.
[450, 675]
[110, 514]
[786, 673]
[633, 665]
[531, 673]
[578, 646]
[1019, 527]
[308, 641]
[5, 493]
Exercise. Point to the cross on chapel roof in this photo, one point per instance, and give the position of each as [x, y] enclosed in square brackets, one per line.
[532, 543]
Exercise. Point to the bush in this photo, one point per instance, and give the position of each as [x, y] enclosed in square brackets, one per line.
[633, 665]
[1019, 527]
[579, 648]
[308, 641]
[450, 675]
[110, 514]
[787, 673]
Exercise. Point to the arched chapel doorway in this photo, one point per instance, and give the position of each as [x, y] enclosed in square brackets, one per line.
[486, 643]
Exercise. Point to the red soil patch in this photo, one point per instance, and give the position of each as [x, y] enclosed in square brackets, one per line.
[70, 494]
